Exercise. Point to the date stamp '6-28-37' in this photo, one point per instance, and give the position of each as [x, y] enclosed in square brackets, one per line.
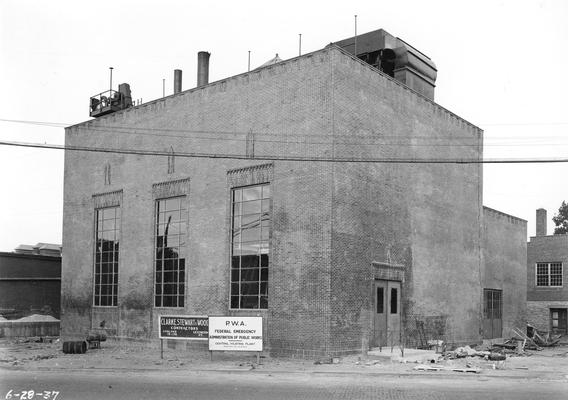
[31, 394]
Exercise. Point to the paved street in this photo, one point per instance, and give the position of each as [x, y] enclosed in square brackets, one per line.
[256, 385]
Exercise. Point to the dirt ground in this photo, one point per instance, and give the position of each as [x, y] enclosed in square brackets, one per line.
[46, 354]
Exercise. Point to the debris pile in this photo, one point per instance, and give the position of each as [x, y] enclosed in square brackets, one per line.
[542, 339]
[492, 356]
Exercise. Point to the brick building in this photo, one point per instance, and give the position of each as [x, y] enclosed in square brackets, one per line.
[251, 209]
[547, 293]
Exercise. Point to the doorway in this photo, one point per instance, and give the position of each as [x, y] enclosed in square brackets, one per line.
[492, 313]
[558, 321]
[386, 313]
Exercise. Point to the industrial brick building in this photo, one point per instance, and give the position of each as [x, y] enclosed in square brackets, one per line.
[547, 295]
[294, 192]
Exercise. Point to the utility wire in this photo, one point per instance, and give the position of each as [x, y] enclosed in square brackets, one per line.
[63, 124]
[42, 123]
[183, 133]
[288, 158]
[525, 124]
[376, 140]
[369, 141]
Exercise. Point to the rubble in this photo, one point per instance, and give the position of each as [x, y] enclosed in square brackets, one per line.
[543, 339]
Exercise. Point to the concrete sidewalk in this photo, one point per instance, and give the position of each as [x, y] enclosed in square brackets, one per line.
[549, 364]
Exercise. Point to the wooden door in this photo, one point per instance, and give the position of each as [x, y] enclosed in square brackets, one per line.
[492, 313]
[386, 313]
[393, 319]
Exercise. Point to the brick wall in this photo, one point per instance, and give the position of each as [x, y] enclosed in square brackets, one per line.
[538, 313]
[552, 248]
[425, 217]
[504, 253]
[282, 106]
[329, 222]
[540, 299]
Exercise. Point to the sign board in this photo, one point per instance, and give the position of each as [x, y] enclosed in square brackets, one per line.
[235, 333]
[184, 327]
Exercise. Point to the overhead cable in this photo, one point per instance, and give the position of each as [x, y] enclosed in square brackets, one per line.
[289, 158]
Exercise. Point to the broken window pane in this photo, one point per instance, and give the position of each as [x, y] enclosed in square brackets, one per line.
[249, 244]
[171, 231]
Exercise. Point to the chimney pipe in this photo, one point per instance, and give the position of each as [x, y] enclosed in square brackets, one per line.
[203, 68]
[541, 222]
[177, 81]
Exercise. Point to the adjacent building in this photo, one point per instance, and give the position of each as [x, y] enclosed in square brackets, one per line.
[327, 193]
[547, 287]
[30, 281]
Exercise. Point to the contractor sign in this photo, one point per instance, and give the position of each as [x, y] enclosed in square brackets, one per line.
[184, 327]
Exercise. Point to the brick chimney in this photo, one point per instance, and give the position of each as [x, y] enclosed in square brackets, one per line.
[541, 222]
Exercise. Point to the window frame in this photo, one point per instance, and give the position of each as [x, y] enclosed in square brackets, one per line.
[116, 255]
[549, 274]
[262, 243]
[184, 219]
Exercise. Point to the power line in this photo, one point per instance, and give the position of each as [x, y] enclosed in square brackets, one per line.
[42, 123]
[63, 124]
[182, 133]
[378, 140]
[525, 124]
[288, 158]
[375, 140]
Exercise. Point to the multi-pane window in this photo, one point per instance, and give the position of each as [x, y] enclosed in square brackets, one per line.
[171, 230]
[549, 274]
[107, 233]
[249, 246]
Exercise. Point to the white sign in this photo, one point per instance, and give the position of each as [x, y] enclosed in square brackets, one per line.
[235, 333]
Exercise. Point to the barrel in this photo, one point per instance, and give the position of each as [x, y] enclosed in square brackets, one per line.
[77, 347]
[96, 337]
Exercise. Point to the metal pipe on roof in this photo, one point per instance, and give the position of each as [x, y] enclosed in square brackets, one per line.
[177, 81]
[203, 68]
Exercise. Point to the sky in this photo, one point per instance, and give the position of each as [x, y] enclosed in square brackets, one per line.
[501, 66]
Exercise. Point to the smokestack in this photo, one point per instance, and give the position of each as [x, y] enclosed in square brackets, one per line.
[541, 222]
[177, 81]
[203, 68]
